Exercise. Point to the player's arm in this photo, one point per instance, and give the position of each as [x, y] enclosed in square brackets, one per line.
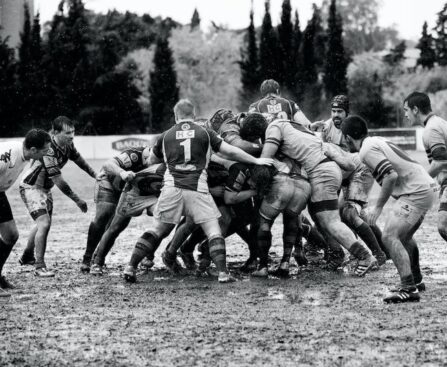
[301, 118]
[217, 158]
[82, 164]
[234, 197]
[235, 140]
[439, 160]
[116, 167]
[343, 160]
[317, 125]
[156, 154]
[234, 153]
[273, 138]
[233, 188]
[66, 189]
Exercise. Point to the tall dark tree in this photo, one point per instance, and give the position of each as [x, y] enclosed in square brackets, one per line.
[441, 39]
[285, 36]
[249, 65]
[195, 20]
[25, 45]
[427, 57]
[319, 37]
[336, 63]
[268, 48]
[396, 55]
[296, 84]
[163, 86]
[8, 89]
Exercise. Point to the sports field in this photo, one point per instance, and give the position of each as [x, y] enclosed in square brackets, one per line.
[315, 318]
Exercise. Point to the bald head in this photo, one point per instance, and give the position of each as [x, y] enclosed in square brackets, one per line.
[183, 110]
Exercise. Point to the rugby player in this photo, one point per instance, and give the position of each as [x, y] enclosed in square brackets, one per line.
[13, 158]
[111, 179]
[414, 190]
[35, 190]
[273, 104]
[418, 111]
[186, 149]
[302, 145]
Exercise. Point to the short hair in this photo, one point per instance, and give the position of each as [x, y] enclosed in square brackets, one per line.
[341, 101]
[253, 127]
[36, 138]
[184, 109]
[355, 127]
[419, 100]
[59, 122]
[219, 117]
[269, 86]
[262, 176]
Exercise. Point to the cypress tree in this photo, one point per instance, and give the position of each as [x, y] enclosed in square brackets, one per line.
[249, 65]
[336, 62]
[296, 86]
[25, 46]
[163, 86]
[319, 38]
[268, 48]
[427, 56]
[8, 95]
[396, 55]
[441, 39]
[195, 20]
[285, 36]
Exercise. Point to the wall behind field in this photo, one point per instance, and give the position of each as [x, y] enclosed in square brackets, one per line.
[104, 147]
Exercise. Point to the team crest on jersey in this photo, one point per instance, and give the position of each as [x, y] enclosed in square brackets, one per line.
[186, 126]
[133, 157]
[273, 101]
[50, 151]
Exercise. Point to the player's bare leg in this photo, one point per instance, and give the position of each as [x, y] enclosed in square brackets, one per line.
[8, 237]
[40, 240]
[28, 257]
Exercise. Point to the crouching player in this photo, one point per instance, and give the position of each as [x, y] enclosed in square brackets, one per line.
[407, 181]
[186, 149]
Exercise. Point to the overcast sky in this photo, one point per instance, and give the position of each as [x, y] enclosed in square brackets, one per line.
[407, 15]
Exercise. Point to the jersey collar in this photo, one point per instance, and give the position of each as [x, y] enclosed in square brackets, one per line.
[429, 116]
[185, 120]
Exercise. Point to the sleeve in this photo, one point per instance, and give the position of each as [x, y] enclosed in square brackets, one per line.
[74, 154]
[253, 107]
[436, 148]
[215, 140]
[374, 158]
[236, 178]
[295, 108]
[273, 134]
[51, 164]
[157, 149]
[124, 159]
[228, 128]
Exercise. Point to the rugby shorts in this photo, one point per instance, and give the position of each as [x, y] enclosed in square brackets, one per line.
[5, 209]
[173, 203]
[105, 192]
[131, 204]
[325, 181]
[38, 201]
[411, 209]
[358, 186]
[286, 194]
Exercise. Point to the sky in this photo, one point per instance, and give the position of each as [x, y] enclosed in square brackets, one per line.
[408, 16]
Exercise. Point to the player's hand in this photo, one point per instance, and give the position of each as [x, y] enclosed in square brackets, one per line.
[127, 175]
[317, 125]
[264, 161]
[373, 214]
[82, 205]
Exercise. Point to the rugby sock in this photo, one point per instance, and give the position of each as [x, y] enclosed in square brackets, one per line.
[95, 233]
[367, 235]
[359, 251]
[218, 253]
[407, 281]
[264, 244]
[146, 245]
[190, 244]
[314, 237]
[181, 234]
[414, 260]
[378, 233]
[5, 251]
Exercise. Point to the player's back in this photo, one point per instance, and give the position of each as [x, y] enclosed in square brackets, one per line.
[186, 149]
[296, 142]
[434, 137]
[276, 106]
[412, 177]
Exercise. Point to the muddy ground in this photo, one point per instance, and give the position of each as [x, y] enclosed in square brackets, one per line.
[315, 318]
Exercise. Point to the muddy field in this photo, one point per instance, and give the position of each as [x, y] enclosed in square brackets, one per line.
[315, 318]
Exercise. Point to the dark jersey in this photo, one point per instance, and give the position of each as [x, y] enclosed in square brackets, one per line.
[186, 149]
[217, 174]
[237, 181]
[41, 171]
[276, 106]
[150, 180]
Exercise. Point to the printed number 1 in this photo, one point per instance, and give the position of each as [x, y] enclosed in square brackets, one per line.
[187, 147]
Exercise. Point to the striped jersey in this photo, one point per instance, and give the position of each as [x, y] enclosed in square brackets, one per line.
[384, 157]
[149, 181]
[41, 171]
[276, 106]
[332, 134]
[186, 149]
[434, 138]
[12, 163]
[297, 143]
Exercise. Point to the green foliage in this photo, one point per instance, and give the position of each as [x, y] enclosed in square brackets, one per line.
[396, 55]
[286, 52]
[336, 62]
[163, 88]
[295, 84]
[441, 39]
[195, 20]
[268, 48]
[8, 96]
[427, 57]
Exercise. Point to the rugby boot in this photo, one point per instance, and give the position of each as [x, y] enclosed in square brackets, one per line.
[364, 265]
[250, 265]
[147, 263]
[85, 268]
[420, 287]
[381, 258]
[5, 284]
[203, 268]
[335, 259]
[188, 260]
[97, 270]
[224, 277]
[44, 273]
[130, 274]
[27, 259]
[171, 263]
[261, 273]
[282, 271]
[300, 258]
[404, 295]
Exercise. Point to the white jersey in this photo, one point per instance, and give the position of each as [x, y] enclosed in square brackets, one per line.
[435, 137]
[332, 134]
[383, 157]
[12, 163]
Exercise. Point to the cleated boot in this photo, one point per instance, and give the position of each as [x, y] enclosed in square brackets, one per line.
[44, 273]
[130, 274]
[5, 284]
[250, 265]
[282, 271]
[363, 266]
[171, 263]
[85, 268]
[147, 263]
[404, 295]
[27, 259]
[224, 277]
[260, 273]
[188, 260]
[97, 269]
